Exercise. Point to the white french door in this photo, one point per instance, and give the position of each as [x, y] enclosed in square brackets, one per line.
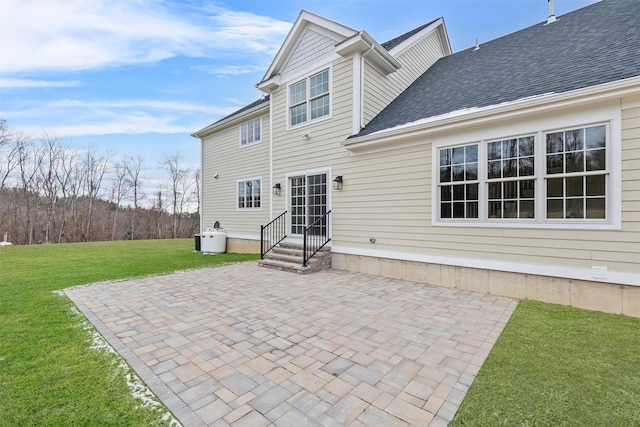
[308, 202]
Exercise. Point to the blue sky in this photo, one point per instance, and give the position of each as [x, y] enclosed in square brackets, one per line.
[137, 77]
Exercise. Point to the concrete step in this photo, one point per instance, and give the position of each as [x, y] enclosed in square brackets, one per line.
[284, 257]
[288, 257]
[275, 264]
[292, 244]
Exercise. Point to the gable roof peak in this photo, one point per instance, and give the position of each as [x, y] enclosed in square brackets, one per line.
[304, 21]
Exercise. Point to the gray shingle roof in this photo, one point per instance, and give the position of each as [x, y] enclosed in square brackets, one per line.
[593, 45]
[245, 108]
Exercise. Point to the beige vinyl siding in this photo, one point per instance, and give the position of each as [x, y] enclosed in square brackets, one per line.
[388, 197]
[416, 60]
[380, 90]
[222, 154]
[631, 174]
[293, 153]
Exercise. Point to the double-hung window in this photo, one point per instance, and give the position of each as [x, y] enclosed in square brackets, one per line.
[576, 173]
[459, 182]
[309, 98]
[511, 178]
[250, 194]
[546, 177]
[250, 132]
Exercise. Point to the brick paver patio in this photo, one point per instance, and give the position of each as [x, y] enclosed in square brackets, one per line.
[246, 346]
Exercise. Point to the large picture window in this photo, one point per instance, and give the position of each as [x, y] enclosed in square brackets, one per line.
[250, 132]
[309, 98]
[250, 194]
[546, 177]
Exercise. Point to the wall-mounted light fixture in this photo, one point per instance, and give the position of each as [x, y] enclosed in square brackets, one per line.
[276, 189]
[337, 183]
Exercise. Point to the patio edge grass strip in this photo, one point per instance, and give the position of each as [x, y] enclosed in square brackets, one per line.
[139, 390]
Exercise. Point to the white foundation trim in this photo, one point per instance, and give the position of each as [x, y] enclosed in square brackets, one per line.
[576, 273]
[243, 236]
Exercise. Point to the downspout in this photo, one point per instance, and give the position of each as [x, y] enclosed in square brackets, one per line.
[201, 182]
[357, 114]
[358, 122]
[271, 183]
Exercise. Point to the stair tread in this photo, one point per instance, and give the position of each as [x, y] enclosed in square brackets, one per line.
[290, 259]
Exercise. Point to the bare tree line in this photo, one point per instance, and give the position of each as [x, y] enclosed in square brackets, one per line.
[51, 193]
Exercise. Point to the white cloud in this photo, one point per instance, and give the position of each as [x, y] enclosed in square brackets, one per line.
[132, 124]
[30, 83]
[137, 104]
[228, 70]
[64, 35]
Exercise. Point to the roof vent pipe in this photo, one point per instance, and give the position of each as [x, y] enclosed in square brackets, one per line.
[552, 15]
[477, 45]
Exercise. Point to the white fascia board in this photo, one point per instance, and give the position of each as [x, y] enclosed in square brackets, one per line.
[473, 116]
[436, 25]
[230, 121]
[576, 273]
[444, 35]
[270, 85]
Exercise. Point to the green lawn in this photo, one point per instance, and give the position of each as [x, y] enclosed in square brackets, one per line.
[555, 365]
[49, 376]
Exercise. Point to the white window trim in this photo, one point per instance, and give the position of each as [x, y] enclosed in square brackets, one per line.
[610, 116]
[257, 178]
[249, 144]
[307, 76]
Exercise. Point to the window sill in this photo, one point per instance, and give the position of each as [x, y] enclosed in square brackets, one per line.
[250, 144]
[531, 224]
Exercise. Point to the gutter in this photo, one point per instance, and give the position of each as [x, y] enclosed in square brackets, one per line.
[364, 44]
[471, 116]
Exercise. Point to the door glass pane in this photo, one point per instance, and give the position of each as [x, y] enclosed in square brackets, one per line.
[298, 205]
[317, 189]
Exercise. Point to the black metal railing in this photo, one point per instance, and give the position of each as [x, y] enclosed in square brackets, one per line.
[273, 233]
[315, 237]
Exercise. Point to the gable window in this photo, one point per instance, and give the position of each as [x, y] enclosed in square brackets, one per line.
[309, 98]
[560, 176]
[250, 194]
[250, 132]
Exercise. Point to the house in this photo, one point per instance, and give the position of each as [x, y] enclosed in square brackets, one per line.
[512, 167]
